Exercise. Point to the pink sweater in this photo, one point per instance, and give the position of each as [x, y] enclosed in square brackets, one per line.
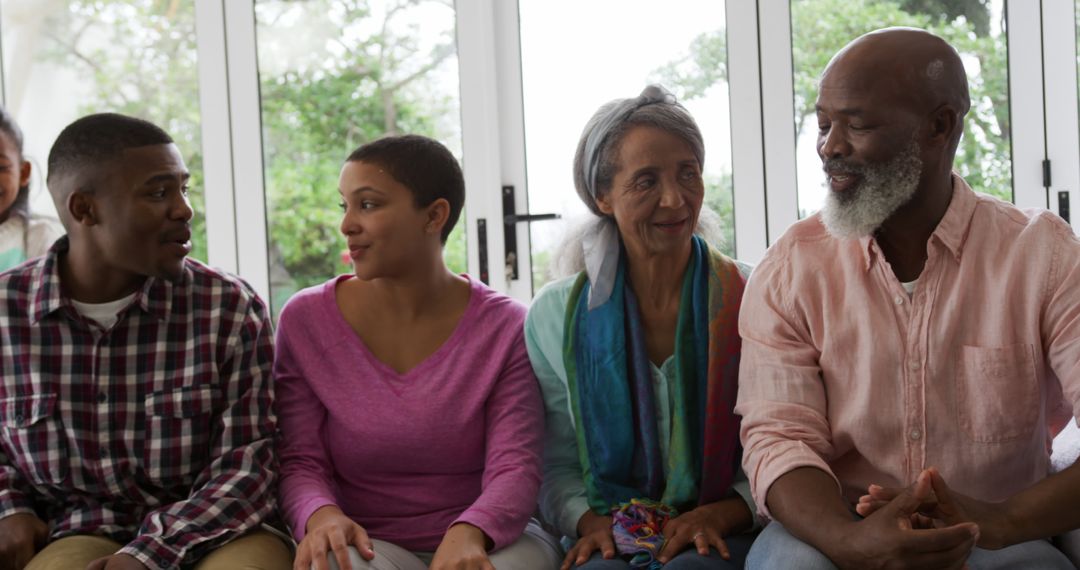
[456, 439]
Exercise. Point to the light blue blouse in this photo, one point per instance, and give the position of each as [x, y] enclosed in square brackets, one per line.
[563, 497]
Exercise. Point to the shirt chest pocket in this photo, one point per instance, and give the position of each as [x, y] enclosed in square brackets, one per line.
[179, 428]
[997, 392]
[34, 438]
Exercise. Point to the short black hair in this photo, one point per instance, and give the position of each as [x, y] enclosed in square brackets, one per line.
[21, 205]
[97, 138]
[424, 166]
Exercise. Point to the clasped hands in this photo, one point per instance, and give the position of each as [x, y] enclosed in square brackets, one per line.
[937, 526]
[942, 507]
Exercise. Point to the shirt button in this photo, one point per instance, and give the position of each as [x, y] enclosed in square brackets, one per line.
[102, 397]
[914, 365]
[103, 453]
[915, 435]
[899, 300]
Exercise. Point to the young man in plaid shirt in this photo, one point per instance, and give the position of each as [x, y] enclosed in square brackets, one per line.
[136, 428]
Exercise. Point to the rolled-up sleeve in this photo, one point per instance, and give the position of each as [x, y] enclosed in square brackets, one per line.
[781, 393]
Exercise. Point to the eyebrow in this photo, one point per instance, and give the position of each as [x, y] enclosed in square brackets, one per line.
[849, 111]
[365, 189]
[166, 177]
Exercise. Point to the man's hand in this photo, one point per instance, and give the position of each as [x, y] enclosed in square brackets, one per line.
[888, 539]
[21, 535]
[462, 548]
[116, 562]
[944, 507]
[329, 530]
[594, 532]
[703, 527]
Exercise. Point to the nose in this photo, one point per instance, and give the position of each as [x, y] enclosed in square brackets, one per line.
[671, 196]
[181, 209]
[833, 144]
[348, 225]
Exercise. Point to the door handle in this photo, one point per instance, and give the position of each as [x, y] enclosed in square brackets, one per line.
[510, 221]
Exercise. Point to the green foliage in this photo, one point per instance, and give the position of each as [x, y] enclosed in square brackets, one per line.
[718, 197]
[704, 65]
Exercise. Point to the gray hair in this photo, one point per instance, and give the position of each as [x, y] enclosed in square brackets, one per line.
[595, 162]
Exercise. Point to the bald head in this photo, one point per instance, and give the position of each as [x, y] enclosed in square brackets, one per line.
[916, 67]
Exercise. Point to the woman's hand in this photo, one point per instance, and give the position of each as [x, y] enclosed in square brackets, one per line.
[328, 529]
[594, 532]
[705, 526]
[464, 547]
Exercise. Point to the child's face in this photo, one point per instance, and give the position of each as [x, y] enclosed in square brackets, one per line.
[14, 173]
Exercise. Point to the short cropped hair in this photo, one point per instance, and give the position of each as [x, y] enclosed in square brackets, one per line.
[97, 138]
[21, 205]
[670, 117]
[424, 166]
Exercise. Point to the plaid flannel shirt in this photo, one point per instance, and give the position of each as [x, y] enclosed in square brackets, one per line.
[158, 432]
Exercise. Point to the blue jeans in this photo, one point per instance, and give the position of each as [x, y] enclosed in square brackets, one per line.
[777, 548]
[738, 545]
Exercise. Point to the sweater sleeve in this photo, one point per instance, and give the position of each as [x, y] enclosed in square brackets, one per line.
[563, 499]
[514, 420]
[306, 482]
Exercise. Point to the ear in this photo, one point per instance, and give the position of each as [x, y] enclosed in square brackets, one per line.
[24, 174]
[82, 208]
[943, 123]
[438, 212]
[603, 202]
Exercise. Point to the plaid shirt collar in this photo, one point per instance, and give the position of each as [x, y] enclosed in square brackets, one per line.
[154, 297]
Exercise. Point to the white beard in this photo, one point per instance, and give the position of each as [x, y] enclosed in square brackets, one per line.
[882, 190]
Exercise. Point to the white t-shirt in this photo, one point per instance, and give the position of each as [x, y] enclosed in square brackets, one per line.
[104, 314]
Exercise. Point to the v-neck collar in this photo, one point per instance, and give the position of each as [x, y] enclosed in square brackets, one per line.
[400, 381]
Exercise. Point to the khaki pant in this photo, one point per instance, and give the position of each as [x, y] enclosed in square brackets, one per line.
[259, 550]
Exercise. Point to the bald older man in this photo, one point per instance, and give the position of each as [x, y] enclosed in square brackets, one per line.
[910, 351]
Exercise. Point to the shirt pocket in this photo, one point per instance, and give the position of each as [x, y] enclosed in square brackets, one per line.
[997, 393]
[179, 425]
[34, 438]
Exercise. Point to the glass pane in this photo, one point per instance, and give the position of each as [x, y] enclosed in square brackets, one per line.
[682, 46]
[976, 29]
[335, 74]
[68, 58]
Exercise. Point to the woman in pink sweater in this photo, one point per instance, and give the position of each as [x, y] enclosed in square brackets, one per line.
[411, 421]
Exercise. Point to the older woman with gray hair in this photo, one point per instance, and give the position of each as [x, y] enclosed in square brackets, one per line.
[638, 356]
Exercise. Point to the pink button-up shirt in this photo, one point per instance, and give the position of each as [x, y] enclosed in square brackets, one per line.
[973, 372]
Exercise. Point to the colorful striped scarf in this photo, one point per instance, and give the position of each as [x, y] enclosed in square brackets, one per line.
[611, 390]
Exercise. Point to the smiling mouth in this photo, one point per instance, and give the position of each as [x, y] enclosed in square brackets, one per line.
[671, 227]
[358, 251]
[842, 181]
